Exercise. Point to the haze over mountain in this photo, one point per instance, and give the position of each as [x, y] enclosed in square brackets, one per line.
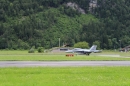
[27, 23]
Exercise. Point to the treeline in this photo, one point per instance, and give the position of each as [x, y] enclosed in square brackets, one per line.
[17, 8]
[40, 23]
[26, 23]
[115, 14]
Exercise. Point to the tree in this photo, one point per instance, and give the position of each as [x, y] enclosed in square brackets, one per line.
[81, 45]
[97, 43]
[40, 50]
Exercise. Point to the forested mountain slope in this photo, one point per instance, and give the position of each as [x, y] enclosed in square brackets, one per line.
[115, 14]
[27, 23]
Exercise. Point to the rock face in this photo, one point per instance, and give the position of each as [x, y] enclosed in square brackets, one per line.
[75, 7]
[92, 5]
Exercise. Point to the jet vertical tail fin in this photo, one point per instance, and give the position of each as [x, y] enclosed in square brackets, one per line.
[93, 48]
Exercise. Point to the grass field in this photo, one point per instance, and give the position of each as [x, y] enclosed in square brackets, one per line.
[25, 56]
[65, 76]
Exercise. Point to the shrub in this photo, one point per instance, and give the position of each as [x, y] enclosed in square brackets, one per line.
[32, 50]
[81, 45]
[40, 49]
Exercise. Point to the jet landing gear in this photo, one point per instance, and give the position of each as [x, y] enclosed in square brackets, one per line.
[87, 54]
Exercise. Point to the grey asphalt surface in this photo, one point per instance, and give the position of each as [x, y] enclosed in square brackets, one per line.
[62, 63]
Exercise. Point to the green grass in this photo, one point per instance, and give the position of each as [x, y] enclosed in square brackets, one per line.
[13, 52]
[65, 76]
[57, 58]
[25, 56]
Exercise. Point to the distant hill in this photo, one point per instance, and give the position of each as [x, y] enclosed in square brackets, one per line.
[27, 23]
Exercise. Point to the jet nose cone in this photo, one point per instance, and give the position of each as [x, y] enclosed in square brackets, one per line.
[68, 51]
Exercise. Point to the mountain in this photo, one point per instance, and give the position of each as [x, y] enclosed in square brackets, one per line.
[27, 23]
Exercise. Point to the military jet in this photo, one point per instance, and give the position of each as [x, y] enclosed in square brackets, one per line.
[84, 51]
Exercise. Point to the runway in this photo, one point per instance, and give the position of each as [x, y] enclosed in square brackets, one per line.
[62, 63]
